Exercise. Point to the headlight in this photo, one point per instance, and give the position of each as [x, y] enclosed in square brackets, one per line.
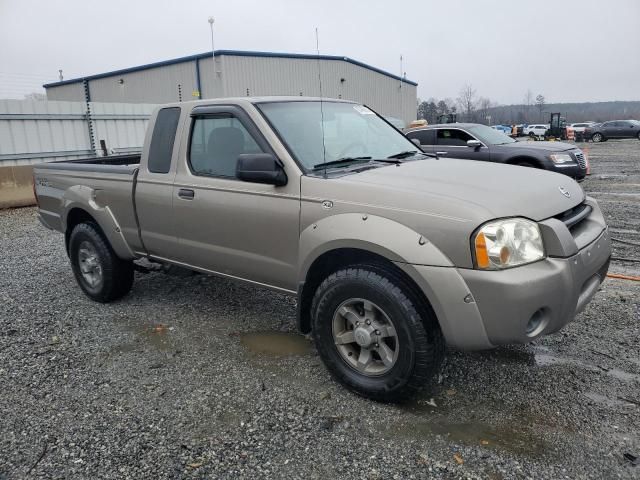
[507, 243]
[559, 158]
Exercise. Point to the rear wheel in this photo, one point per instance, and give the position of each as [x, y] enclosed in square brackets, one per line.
[597, 138]
[374, 335]
[102, 276]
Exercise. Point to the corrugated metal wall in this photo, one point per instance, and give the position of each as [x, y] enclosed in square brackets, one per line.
[254, 76]
[34, 132]
[71, 92]
[248, 76]
[170, 83]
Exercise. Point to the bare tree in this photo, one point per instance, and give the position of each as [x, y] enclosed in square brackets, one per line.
[467, 100]
[484, 104]
[528, 101]
[451, 105]
[540, 104]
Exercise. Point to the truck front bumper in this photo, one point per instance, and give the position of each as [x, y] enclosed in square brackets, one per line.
[483, 309]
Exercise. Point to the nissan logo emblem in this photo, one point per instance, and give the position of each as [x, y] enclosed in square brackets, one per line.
[565, 192]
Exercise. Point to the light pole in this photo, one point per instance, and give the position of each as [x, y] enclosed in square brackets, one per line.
[213, 58]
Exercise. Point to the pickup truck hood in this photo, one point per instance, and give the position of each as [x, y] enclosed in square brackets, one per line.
[476, 191]
[546, 146]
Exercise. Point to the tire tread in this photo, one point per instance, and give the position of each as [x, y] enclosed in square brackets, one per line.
[118, 274]
[429, 344]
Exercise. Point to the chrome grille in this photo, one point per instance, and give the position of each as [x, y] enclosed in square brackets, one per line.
[581, 160]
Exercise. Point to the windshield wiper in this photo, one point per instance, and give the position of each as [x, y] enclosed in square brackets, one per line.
[348, 160]
[407, 153]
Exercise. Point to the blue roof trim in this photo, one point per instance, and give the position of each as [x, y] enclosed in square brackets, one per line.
[235, 53]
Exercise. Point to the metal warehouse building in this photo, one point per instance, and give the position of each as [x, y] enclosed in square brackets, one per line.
[239, 73]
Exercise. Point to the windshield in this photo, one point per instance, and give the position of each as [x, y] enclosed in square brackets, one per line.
[490, 136]
[348, 130]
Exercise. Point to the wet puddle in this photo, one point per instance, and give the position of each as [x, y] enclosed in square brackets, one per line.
[542, 357]
[519, 441]
[545, 359]
[155, 335]
[275, 344]
[606, 401]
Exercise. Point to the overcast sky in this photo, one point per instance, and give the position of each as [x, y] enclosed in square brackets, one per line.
[567, 50]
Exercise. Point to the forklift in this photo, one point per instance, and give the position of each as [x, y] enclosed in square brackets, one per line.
[557, 128]
[447, 118]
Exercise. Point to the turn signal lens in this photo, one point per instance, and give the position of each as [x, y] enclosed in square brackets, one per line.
[482, 257]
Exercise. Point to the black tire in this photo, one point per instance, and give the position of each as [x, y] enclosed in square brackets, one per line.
[597, 138]
[420, 343]
[638, 136]
[116, 274]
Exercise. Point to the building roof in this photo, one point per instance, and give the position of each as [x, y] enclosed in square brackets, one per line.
[260, 99]
[235, 53]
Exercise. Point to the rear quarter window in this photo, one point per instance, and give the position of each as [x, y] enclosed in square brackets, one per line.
[164, 135]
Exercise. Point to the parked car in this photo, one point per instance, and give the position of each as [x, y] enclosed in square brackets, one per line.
[578, 130]
[580, 127]
[502, 128]
[601, 132]
[390, 252]
[479, 142]
[537, 130]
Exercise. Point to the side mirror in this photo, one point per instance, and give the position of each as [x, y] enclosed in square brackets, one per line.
[415, 141]
[474, 143]
[260, 168]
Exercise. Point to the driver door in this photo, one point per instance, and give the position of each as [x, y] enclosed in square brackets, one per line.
[226, 225]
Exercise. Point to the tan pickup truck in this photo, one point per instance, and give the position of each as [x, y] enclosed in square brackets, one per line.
[391, 252]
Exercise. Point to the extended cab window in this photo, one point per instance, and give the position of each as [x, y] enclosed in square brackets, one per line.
[164, 134]
[426, 137]
[216, 143]
[453, 137]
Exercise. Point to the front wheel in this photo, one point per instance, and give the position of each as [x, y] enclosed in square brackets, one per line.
[596, 137]
[374, 335]
[102, 276]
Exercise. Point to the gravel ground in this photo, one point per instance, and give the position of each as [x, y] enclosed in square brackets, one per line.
[200, 377]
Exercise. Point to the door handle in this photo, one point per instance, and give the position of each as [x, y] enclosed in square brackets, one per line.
[186, 193]
[441, 154]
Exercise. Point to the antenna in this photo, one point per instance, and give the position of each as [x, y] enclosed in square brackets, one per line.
[324, 149]
[401, 102]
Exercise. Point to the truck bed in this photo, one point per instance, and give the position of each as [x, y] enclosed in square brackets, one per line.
[102, 187]
[126, 164]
